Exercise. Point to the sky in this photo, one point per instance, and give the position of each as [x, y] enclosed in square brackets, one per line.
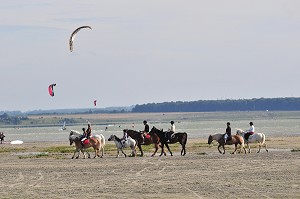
[146, 51]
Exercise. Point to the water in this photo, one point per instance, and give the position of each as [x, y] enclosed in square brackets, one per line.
[196, 127]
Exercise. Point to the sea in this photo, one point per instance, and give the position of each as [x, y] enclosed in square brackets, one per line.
[195, 128]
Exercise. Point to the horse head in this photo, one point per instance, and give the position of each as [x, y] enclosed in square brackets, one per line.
[73, 136]
[112, 137]
[240, 132]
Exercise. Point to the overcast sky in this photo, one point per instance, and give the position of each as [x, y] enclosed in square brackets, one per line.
[146, 51]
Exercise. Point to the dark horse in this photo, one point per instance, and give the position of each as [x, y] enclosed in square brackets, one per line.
[177, 137]
[2, 137]
[137, 135]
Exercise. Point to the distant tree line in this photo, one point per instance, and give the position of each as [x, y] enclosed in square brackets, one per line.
[15, 120]
[255, 104]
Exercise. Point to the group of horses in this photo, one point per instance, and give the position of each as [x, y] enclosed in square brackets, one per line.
[158, 138]
[239, 139]
[155, 136]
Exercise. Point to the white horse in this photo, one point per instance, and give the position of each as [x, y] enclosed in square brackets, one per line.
[96, 141]
[128, 143]
[259, 138]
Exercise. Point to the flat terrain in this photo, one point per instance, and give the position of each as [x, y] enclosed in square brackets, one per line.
[202, 173]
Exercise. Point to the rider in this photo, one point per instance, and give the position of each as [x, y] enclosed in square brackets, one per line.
[250, 131]
[227, 135]
[124, 138]
[83, 137]
[170, 132]
[146, 130]
[89, 131]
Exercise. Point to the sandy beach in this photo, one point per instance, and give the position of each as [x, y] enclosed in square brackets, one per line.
[202, 173]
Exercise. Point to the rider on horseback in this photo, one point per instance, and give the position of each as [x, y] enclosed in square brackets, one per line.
[227, 135]
[171, 131]
[146, 131]
[250, 131]
[124, 138]
[83, 137]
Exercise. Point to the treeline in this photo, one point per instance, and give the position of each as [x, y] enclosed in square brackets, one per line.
[15, 120]
[255, 104]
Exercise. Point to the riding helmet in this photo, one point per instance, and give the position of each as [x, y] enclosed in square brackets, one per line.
[172, 122]
[251, 123]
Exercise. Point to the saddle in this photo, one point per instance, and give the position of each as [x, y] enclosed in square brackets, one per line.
[147, 136]
[86, 142]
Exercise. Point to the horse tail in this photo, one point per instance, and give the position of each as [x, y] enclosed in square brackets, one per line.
[263, 138]
[102, 140]
[184, 138]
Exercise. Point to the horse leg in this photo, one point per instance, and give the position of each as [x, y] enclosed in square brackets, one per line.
[235, 148]
[249, 151]
[118, 151]
[162, 149]
[78, 151]
[219, 148]
[224, 149]
[74, 154]
[266, 147]
[156, 148]
[96, 153]
[102, 151]
[132, 151]
[259, 147]
[141, 150]
[123, 152]
[169, 150]
[89, 156]
[183, 150]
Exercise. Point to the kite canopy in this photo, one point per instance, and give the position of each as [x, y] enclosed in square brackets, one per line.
[50, 89]
[72, 37]
[95, 102]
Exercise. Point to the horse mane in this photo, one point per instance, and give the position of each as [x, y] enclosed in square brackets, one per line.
[118, 139]
[74, 134]
[240, 130]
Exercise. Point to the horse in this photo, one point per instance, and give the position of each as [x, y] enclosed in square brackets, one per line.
[95, 141]
[149, 139]
[128, 143]
[2, 137]
[259, 138]
[235, 139]
[176, 137]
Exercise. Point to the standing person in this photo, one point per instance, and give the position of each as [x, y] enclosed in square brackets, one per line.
[227, 135]
[250, 131]
[146, 130]
[170, 132]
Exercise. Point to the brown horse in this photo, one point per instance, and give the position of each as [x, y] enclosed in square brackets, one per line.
[2, 137]
[177, 137]
[138, 136]
[96, 141]
[235, 139]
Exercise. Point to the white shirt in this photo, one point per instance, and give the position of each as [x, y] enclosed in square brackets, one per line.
[252, 129]
[172, 128]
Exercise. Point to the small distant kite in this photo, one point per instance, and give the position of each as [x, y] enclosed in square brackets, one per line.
[95, 102]
[72, 37]
[50, 89]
